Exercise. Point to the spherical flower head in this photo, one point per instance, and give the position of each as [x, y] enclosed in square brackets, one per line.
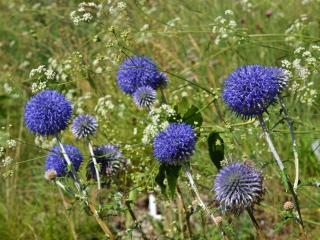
[251, 89]
[47, 113]
[144, 96]
[175, 144]
[84, 126]
[138, 71]
[238, 186]
[110, 159]
[56, 162]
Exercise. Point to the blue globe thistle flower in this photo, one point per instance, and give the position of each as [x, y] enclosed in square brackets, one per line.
[84, 126]
[47, 113]
[251, 89]
[144, 96]
[175, 144]
[138, 71]
[55, 160]
[238, 186]
[110, 159]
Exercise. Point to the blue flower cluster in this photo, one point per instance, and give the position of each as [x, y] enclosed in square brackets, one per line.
[47, 113]
[251, 89]
[238, 186]
[175, 144]
[138, 71]
[84, 126]
[139, 77]
[55, 160]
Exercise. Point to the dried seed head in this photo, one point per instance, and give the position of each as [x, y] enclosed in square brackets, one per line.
[51, 174]
[288, 205]
[217, 220]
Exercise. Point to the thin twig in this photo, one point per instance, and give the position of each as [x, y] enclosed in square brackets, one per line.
[294, 143]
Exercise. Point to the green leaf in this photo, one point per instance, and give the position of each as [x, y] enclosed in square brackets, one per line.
[193, 116]
[160, 179]
[172, 174]
[216, 149]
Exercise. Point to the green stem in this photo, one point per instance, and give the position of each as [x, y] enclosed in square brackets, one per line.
[294, 143]
[281, 167]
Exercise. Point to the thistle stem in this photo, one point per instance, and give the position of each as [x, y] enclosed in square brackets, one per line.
[201, 203]
[281, 167]
[294, 143]
[135, 220]
[95, 164]
[255, 223]
[69, 163]
[93, 210]
[185, 211]
[101, 223]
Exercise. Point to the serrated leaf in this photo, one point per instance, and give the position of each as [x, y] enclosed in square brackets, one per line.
[172, 174]
[193, 116]
[160, 179]
[216, 149]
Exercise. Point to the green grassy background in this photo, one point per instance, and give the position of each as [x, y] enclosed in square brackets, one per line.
[34, 31]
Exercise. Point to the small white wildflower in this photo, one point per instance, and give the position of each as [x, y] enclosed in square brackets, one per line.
[11, 143]
[232, 24]
[228, 12]
[7, 161]
[7, 88]
[87, 17]
[98, 70]
[38, 86]
[184, 94]
[122, 5]
[135, 131]
[50, 74]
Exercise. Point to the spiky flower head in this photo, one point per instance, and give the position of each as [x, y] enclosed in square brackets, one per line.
[175, 144]
[56, 162]
[251, 89]
[47, 113]
[84, 126]
[144, 96]
[238, 186]
[138, 71]
[110, 159]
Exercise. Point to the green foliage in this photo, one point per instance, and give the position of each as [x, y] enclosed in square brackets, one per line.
[216, 149]
[186, 40]
[171, 173]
